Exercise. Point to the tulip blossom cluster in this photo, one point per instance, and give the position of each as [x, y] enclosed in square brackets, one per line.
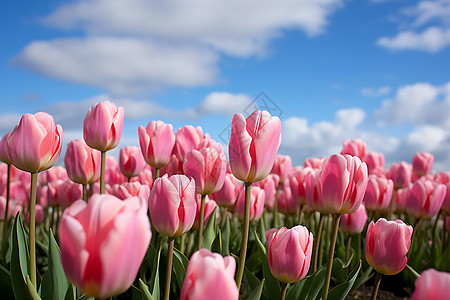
[259, 218]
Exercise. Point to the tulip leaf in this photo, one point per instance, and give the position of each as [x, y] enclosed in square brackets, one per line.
[226, 238]
[256, 294]
[341, 291]
[54, 284]
[154, 284]
[217, 244]
[309, 287]
[145, 291]
[5, 284]
[19, 260]
[366, 275]
[180, 263]
[412, 272]
[261, 231]
[210, 231]
[272, 288]
[71, 293]
[85, 297]
[31, 289]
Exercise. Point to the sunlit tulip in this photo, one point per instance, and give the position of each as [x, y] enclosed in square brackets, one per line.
[282, 166]
[228, 194]
[313, 162]
[354, 148]
[131, 189]
[425, 198]
[378, 193]
[400, 173]
[422, 163]
[82, 162]
[269, 185]
[187, 138]
[375, 162]
[131, 162]
[157, 141]
[256, 203]
[297, 182]
[210, 205]
[354, 222]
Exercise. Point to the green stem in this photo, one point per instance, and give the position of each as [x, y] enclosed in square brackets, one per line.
[300, 214]
[156, 173]
[336, 219]
[200, 222]
[102, 173]
[433, 237]
[91, 189]
[359, 247]
[189, 242]
[33, 228]
[376, 286]
[128, 179]
[5, 218]
[283, 290]
[182, 242]
[317, 243]
[224, 217]
[169, 268]
[349, 246]
[391, 206]
[85, 196]
[240, 271]
[275, 211]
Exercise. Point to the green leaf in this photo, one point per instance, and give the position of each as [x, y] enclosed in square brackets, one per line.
[226, 238]
[32, 290]
[256, 294]
[19, 260]
[261, 230]
[54, 284]
[5, 284]
[71, 293]
[136, 293]
[341, 291]
[272, 287]
[85, 297]
[412, 272]
[180, 263]
[210, 231]
[312, 285]
[154, 284]
[366, 275]
[145, 291]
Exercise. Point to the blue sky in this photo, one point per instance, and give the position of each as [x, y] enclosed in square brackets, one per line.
[375, 70]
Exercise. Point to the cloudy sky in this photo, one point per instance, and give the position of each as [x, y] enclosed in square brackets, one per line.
[378, 70]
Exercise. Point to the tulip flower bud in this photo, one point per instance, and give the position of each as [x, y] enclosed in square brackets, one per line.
[256, 203]
[187, 138]
[253, 145]
[290, 253]
[157, 141]
[131, 162]
[431, 285]
[269, 185]
[210, 276]
[172, 204]
[354, 222]
[131, 189]
[282, 166]
[378, 193]
[82, 162]
[354, 148]
[103, 243]
[102, 127]
[387, 243]
[35, 144]
[422, 163]
[375, 162]
[4, 154]
[297, 181]
[400, 173]
[228, 194]
[425, 198]
[313, 162]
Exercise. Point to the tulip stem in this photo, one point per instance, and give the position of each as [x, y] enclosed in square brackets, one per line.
[224, 217]
[156, 173]
[283, 290]
[376, 286]
[5, 218]
[300, 214]
[200, 226]
[317, 244]
[182, 242]
[33, 229]
[240, 271]
[85, 196]
[275, 211]
[336, 219]
[102, 173]
[349, 246]
[169, 268]
[433, 237]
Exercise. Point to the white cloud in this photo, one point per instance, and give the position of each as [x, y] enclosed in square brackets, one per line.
[224, 103]
[433, 39]
[8, 121]
[376, 92]
[426, 11]
[133, 46]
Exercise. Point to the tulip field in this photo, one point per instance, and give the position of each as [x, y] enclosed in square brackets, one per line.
[184, 217]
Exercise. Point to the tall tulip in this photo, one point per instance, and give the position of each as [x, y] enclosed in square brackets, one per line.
[228, 194]
[103, 243]
[353, 224]
[387, 244]
[378, 193]
[34, 146]
[354, 148]
[210, 276]
[425, 198]
[102, 130]
[157, 141]
[252, 151]
[187, 138]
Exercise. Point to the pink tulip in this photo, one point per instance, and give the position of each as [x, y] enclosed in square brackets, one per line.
[39, 214]
[425, 198]
[131, 162]
[282, 166]
[289, 253]
[157, 141]
[269, 185]
[113, 175]
[208, 167]
[286, 203]
[103, 243]
[256, 203]
[82, 162]
[52, 192]
[400, 200]
[378, 193]
[3, 208]
[297, 181]
[131, 189]
[35, 144]
[422, 163]
[4, 153]
[400, 173]
[431, 285]
[175, 166]
[269, 234]
[210, 276]
[102, 127]
[146, 178]
[210, 205]
[57, 172]
[228, 194]
[253, 145]
[172, 204]
[339, 186]
[375, 162]
[68, 193]
[187, 138]
[354, 222]
[354, 148]
[313, 162]
[387, 243]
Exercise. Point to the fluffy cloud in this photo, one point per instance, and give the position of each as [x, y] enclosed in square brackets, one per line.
[432, 39]
[376, 92]
[133, 46]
